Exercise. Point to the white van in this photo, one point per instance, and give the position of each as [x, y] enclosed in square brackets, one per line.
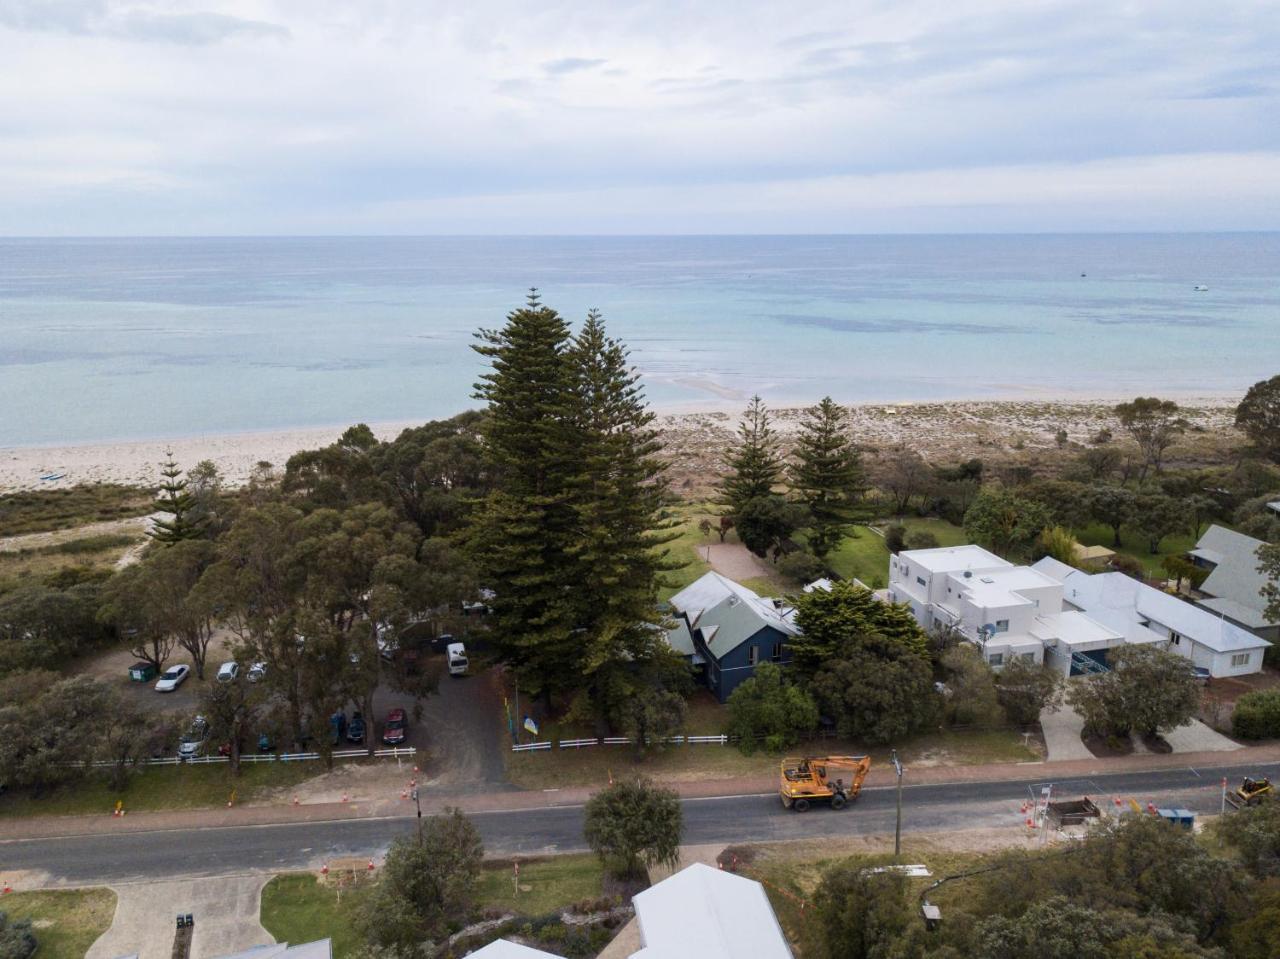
[457, 654]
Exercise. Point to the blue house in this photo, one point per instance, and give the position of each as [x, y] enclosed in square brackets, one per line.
[725, 631]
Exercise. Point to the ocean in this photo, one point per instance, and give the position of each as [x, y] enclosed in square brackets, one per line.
[105, 339]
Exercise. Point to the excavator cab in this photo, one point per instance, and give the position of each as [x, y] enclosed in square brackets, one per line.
[1251, 792]
[833, 779]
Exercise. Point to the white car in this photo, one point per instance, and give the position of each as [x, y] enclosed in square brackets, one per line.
[172, 678]
[458, 664]
[257, 671]
[228, 672]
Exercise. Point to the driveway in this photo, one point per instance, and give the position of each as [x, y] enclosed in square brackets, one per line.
[735, 561]
[1062, 728]
[1197, 738]
[225, 910]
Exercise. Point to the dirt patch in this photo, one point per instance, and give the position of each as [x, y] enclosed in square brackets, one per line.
[1106, 746]
[736, 562]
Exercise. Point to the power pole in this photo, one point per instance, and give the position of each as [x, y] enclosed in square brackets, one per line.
[897, 829]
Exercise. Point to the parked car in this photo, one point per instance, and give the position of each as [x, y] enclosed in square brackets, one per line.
[396, 728]
[266, 744]
[172, 678]
[355, 729]
[457, 654]
[194, 740]
[257, 672]
[228, 672]
[337, 727]
[1202, 675]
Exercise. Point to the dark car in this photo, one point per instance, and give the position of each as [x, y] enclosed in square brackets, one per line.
[396, 728]
[355, 729]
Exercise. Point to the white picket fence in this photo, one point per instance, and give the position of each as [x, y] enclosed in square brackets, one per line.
[396, 753]
[721, 740]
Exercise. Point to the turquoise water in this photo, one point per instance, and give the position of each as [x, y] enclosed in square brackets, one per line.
[137, 338]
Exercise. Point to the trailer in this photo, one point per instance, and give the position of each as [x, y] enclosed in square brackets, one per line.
[1072, 812]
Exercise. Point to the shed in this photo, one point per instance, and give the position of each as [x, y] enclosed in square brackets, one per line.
[1094, 557]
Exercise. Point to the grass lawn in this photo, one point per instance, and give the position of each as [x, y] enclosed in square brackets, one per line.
[1136, 546]
[546, 885]
[66, 921]
[160, 787]
[594, 765]
[90, 553]
[684, 548]
[296, 908]
[866, 558]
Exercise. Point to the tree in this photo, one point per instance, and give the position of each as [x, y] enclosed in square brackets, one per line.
[766, 522]
[1154, 424]
[766, 710]
[1177, 567]
[1257, 715]
[652, 716]
[634, 825]
[1257, 935]
[971, 688]
[862, 914]
[1258, 417]
[877, 691]
[175, 502]
[1026, 689]
[17, 941]
[1155, 517]
[1254, 832]
[428, 884]
[830, 621]
[827, 475]
[904, 475]
[1058, 543]
[41, 626]
[1099, 463]
[49, 728]
[133, 604]
[205, 486]
[755, 463]
[1269, 566]
[1112, 506]
[895, 538]
[232, 709]
[127, 734]
[1147, 689]
[1004, 521]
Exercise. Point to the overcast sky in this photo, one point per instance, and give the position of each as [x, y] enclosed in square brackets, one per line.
[378, 116]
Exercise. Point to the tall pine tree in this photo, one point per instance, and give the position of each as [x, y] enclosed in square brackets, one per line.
[174, 502]
[522, 533]
[619, 500]
[755, 464]
[827, 476]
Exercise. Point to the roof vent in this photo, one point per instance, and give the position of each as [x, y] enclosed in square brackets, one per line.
[987, 579]
[968, 574]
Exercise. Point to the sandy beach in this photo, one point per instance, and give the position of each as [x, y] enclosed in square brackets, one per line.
[695, 440]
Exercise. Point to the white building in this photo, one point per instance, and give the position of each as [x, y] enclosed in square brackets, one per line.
[1142, 613]
[1012, 612]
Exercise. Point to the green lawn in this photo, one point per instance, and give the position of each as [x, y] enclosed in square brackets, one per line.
[159, 787]
[1136, 546]
[296, 908]
[66, 921]
[684, 548]
[865, 557]
[546, 885]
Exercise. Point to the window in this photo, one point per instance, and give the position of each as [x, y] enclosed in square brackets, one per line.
[996, 659]
[777, 652]
[1028, 657]
[753, 655]
[1002, 626]
[920, 580]
[1175, 639]
[1241, 659]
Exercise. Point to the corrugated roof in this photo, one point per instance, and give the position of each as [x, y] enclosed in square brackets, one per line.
[505, 949]
[728, 613]
[1236, 576]
[705, 913]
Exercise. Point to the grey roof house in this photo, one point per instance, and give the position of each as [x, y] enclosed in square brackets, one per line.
[1233, 588]
[725, 630]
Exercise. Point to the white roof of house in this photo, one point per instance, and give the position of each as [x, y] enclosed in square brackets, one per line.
[320, 949]
[704, 913]
[1073, 628]
[1053, 568]
[1235, 576]
[950, 559]
[505, 949]
[1122, 603]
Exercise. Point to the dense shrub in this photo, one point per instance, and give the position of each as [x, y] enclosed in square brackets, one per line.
[1257, 715]
[895, 538]
[767, 711]
[921, 539]
[801, 567]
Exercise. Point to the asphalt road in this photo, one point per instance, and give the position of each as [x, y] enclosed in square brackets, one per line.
[727, 819]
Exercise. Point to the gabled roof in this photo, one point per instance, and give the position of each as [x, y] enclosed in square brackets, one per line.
[1235, 576]
[705, 913]
[1053, 568]
[1126, 605]
[728, 613]
[679, 638]
[504, 949]
[320, 949]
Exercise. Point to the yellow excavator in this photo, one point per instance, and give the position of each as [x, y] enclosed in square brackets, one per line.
[833, 779]
[1251, 792]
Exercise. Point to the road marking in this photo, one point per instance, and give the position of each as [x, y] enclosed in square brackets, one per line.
[1198, 776]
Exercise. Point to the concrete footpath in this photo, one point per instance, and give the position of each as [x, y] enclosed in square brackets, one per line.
[512, 801]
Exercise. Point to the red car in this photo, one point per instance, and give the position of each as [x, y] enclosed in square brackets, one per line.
[396, 728]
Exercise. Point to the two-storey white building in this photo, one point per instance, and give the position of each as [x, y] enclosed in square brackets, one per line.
[1012, 612]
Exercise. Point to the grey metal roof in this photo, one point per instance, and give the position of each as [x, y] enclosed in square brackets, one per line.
[1235, 577]
[728, 613]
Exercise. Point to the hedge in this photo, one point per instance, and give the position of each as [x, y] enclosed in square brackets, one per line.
[1257, 715]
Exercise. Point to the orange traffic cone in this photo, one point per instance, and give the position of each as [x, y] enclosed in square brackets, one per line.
[371, 865]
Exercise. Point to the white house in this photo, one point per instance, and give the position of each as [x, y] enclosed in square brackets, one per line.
[1142, 613]
[1012, 612]
[1234, 586]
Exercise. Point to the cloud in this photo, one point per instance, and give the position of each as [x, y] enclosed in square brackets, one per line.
[571, 65]
[131, 22]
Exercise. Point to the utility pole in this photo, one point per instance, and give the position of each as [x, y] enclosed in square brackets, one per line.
[897, 829]
[418, 802]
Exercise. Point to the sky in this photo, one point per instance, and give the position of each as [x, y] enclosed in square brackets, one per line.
[124, 117]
